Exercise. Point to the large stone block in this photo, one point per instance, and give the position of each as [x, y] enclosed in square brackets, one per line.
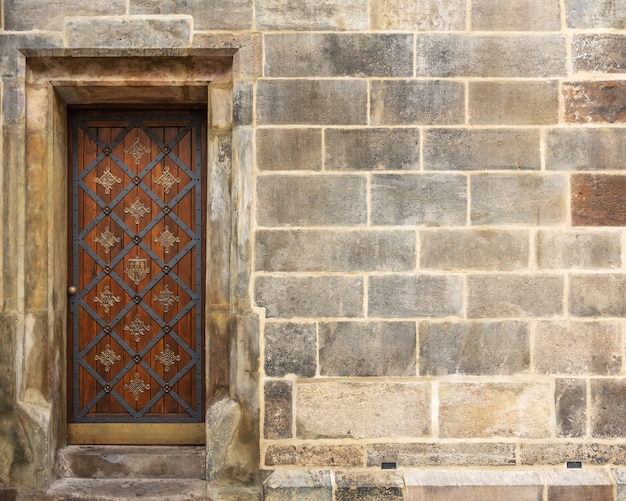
[595, 14]
[597, 200]
[290, 348]
[578, 348]
[473, 348]
[338, 55]
[336, 409]
[372, 149]
[362, 349]
[421, 15]
[214, 15]
[420, 199]
[316, 250]
[598, 295]
[588, 484]
[417, 102]
[315, 456]
[504, 199]
[585, 148]
[298, 485]
[289, 149]
[326, 15]
[522, 15]
[474, 249]
[570, 400]
[247, 49]
[24, 15]
[310, 297]
[558, 453]
[494, 409]
[456, 55]
[507, 296]
[408, 296]
[278, 409]
[595, 101]
[598, 53]
[369, 486]
[513, 103]
[311, 200]
[578, 249]
[608, 408]
[312, 102]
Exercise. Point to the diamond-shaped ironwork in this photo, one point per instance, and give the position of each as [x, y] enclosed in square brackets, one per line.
[167, 179]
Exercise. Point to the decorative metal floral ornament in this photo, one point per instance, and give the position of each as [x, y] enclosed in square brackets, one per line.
[106, 299]
[167, 179]
[136, 386]
[167, 239]
[137, 328]
[137, 269]
[108, 357]
[167, 357]
[166, 298]
[107, 239]
[137, 150]
[137, 210]
[107, 180]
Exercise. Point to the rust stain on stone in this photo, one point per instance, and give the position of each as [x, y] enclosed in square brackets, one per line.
[591, 102]
[598, 200]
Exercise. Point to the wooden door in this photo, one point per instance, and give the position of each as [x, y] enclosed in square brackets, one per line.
[136, 306]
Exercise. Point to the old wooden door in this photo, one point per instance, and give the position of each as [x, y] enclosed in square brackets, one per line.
[136, 283]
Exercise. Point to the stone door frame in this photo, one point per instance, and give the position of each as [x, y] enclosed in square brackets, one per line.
[35, 185]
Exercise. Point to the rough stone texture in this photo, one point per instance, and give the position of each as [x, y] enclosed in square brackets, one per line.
[278, 409]
[362, 410]
[495, 410]
[301, 250]
[311, 102]
[290, 348]
[558, 453]
[473, 250]
[597, 200]
[366, 486]
[372, 149]
[595, 14]
[421, 199]
[469, 454]
[591, 485]
[455, 55]
[315, 456]
[310, 297]
[585, 148]
[358, 349]
[476, 348]
[322, 200]
[570, 399]
[298, 485]
[506, 296]
[526, 15]
[608, 408]
[598, 53]
[323, 15]
[595, 102]
[578, 249]
[339, 55]
[247, 49]
[243, 103]
[578, 348]
[407, 296]
[598, 295]
[620, 479]
[421, 15]
[514, 103]
[289, 149]
[503, 199]
[417, 102]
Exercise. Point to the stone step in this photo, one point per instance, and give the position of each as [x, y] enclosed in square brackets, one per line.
[145, 462]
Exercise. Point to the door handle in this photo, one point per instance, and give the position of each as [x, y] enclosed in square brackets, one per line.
[72, 290]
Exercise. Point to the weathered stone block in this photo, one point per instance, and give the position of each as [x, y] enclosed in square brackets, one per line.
[597, 200]
[340, 15]
[311, 200]
[214, 15]
[620, 479]
[298, 485]
[315, 456]
[514, 103]
[598, 295]
[506, 296]
[246, 47]
[525, 15]
[289, 149]
[278, 409]
[412, 102]
[339, 55]
[372, 149]
[297, 250]
[585, 148]
[421, 15]
[570, 400]
[358, 349]
[362, 410]
[290, 348]
[407, 296]
[495, 410]
[167, 32]
[578, 348]
[455, 55]
[534, 454]
[310, 297]
[595, 14]
[476, 348]
[312, 102]
[369, 486]
[473, 250]
[608, 408]
[598, 53]
[588, 484]
[441, 454]
[243, 102]
[578, 249]
[24, 15]
[425, 199]
[503, 199]
[595, 102]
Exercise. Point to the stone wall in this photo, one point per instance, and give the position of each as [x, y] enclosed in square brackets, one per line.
[436, 220]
